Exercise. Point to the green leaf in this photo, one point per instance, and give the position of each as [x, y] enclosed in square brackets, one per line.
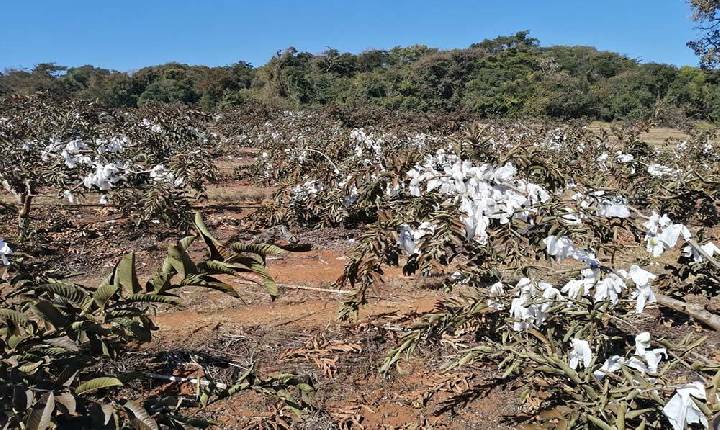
[72, 293]
[48, 312]
[395, 354]
[17, 318]
[226, 267]
[97, 384]
[212, 243]
[247, 259]
[305, 388]
[126, 275]
[216, 266]
[180, 260]
[14, 340]
[161, 279]
[167, 268]
[204, 398]
[104, 293]
[215, 284]
[151, 298]
[124, 313]
[30, 368]
[263, 249]
[186, 241]
[267, 280]
[599, 423]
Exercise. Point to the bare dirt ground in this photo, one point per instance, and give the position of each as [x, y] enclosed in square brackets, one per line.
[299, 332]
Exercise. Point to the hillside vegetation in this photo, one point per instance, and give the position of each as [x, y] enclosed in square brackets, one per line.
[505, 76]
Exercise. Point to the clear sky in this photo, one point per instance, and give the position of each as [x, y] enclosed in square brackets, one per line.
[129, 34]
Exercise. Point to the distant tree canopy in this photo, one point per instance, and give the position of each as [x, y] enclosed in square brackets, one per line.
[506, 76]
[707, 14]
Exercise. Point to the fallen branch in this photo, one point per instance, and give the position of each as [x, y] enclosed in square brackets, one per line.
[322, 290]
[196, 381]
[697, 312]
[220, 205]
[704, 254]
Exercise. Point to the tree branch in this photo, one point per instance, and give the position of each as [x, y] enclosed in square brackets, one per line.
[697, 312]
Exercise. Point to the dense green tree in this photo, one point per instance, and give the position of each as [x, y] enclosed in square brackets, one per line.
[116, 89]
[697, 93]
[519, 41]
[502, 82]
[41, 78]
[635, 93]
[560, 95]
[372, 60]
[589, 63]
[168, 91]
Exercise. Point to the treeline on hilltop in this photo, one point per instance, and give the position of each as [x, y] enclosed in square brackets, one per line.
[506, 76]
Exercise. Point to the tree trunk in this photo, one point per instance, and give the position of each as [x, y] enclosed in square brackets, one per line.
[25, 199]
[695, 311]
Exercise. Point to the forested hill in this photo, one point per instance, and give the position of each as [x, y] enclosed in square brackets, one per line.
[506, 76]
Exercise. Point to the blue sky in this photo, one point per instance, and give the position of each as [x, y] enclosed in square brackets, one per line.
[129, 34]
